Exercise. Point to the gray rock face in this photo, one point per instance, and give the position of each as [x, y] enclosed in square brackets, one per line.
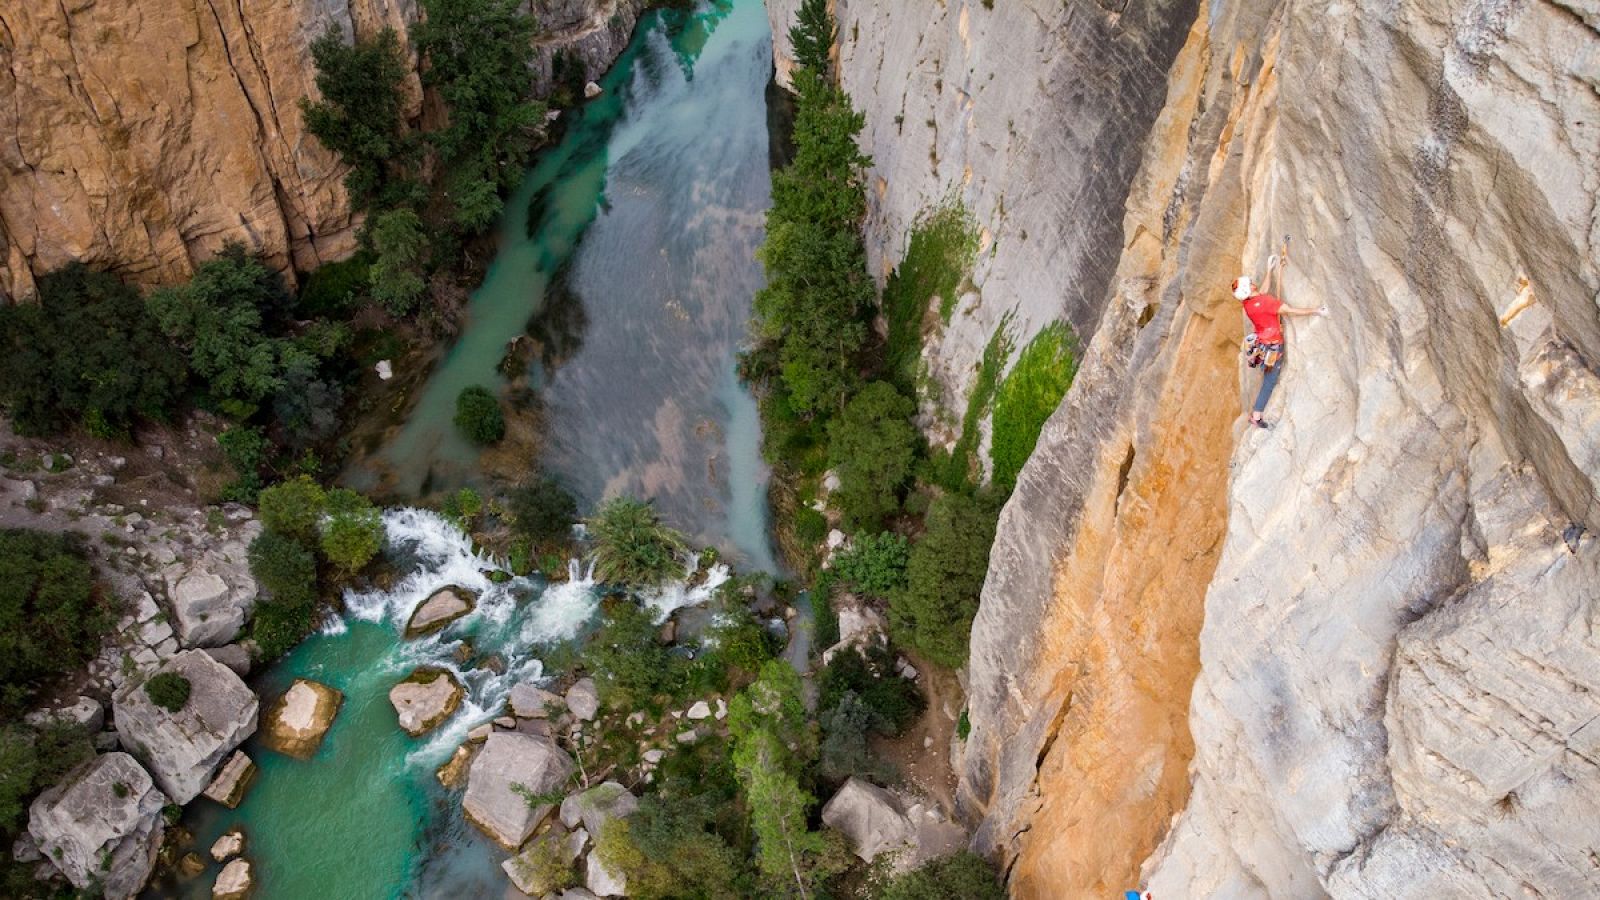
[425, 699]
[602, 880]
[869, 817]
[596, 806]
[234, 656]
[183, 749]
[101, 825]
[557, 847]
[583, 699]
[212, 599]
[85, 713]
[509, 768]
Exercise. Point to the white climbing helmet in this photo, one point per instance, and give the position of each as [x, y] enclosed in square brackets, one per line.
[1243, 288]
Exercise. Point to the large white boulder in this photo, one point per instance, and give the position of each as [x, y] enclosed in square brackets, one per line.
[869, 817]
[529, 701]
[101, 825]
[510, 769]
[440, 609]
[426, 698]
[297, 722]
[213, 597]
[184, 748]
[537, 870]
[234, 882]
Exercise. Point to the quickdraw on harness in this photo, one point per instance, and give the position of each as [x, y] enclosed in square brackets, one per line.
[1259, 354]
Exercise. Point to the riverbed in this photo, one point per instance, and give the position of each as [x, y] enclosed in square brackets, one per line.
[629, 248]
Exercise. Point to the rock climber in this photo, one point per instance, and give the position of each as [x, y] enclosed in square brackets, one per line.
[1264, 346]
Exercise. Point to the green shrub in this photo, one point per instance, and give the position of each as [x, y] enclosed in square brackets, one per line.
[87, 352]
[246, 451]
[359, 113]
[226, 319]
[956, 470]
[633, 547]
[32, 759]
[336, 289]
[628, 664]
[875, 564]
[938, 258]
[293, 508]
[963, 876]
[462, 507]
[1028, 396]
[353, 532]
[52, 616]
[284, 566]
[810, 526]
[478, 415]
[396, 273]
[278, 626]
[671, 848]
[543, 512]
[168, 690]
[892, 700]
[944, 577]
[872, 445]
[843, 750]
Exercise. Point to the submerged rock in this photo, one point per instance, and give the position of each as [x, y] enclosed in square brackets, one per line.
[583, 699]
[297, 722]
[440, 609]
[230, 784]
[598, 805]
[234, 881]
[453, 773]
[230, 844]
[184, 748]
[427, 697]
[190, 866]
[510, 770]
[101, 826]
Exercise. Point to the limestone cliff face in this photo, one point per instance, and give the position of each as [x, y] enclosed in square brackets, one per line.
[1353, 655]
[142, 136]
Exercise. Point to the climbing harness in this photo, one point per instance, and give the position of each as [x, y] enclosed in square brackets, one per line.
[1258, 354]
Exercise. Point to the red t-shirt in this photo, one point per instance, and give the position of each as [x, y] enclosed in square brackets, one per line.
[1263, 312]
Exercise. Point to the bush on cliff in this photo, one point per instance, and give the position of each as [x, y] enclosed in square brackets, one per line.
[293, 508]
[944, 576]
[396, 273]
[89, 353]
[478, 415]
[359, 115]
[633, 547]
[1026, 398]
[284, 566]
[52, 616]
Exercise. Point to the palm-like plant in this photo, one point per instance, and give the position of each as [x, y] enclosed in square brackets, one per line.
[633, 547]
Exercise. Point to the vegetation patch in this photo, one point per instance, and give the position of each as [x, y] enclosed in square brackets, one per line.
[957, 469]
[478, 416]
[1035, 387]
[633, 546]
[938, 259]
[944, 576]
[52, 615]
[168, 690]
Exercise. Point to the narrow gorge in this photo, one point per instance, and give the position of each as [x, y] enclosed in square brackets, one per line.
[1351, 654]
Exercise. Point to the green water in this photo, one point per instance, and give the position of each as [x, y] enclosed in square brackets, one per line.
[630, 246]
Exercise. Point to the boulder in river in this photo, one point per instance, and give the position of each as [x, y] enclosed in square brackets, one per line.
[583, 699]
[230, 844]
[234, 881]
[297, 722]
[440, 609]
[427, 697]
[230, 784]
[453, 773]
[101, 826]
[184, 748]
[512, 772]
[596, 806]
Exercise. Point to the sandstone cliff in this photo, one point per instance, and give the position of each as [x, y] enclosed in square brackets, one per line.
[1349, 656]
[142, 136]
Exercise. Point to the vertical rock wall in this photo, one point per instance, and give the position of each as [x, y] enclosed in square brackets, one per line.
[142, 136]
[1352, 655]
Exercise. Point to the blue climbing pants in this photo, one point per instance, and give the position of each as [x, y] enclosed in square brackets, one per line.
[1269, 381]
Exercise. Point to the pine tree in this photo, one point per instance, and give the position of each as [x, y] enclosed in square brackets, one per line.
[812, 36]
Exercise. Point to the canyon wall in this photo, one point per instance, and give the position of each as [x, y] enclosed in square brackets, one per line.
[140, 137]
[1352, 655]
